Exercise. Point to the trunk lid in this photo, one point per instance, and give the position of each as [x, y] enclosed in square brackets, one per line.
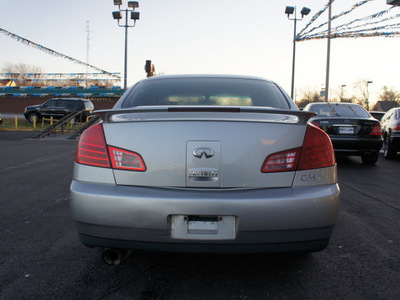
[346, 127]
[204, 149]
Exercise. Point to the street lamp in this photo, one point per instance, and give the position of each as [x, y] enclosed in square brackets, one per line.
[341, 95]
[289, 11]
[367, 98]
[117, 15]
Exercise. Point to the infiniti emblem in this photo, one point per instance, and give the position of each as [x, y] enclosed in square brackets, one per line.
[199, 152]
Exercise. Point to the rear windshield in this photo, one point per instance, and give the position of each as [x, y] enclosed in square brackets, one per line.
[206, 91]
[339, 110]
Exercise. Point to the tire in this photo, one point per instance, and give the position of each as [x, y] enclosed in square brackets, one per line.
[370, 158]
[388, 150]
[32, 116]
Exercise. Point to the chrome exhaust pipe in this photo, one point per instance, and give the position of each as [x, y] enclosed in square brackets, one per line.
[114, 257]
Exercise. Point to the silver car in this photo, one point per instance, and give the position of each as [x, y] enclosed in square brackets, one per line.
[206, 164]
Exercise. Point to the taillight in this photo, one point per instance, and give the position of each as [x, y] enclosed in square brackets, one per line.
[376, 130]
[315, 123]
[396, 128]
[92, 148]
[126, 160]
[317, 152]
[93, 151]
[282, 161]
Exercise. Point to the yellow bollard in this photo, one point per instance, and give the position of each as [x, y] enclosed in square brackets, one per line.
[51, 120]
[87, 119]
[16, 122]
[34, 122]
[42, 122]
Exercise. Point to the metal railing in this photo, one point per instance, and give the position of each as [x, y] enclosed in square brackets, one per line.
[64, 125]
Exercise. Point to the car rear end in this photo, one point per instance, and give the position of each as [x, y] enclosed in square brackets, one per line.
[205, 179]
[352, 137]
[391, 133]
[352, 130]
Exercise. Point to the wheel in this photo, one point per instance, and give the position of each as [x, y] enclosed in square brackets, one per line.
[32, 117]
[370, 158]
[388, 150]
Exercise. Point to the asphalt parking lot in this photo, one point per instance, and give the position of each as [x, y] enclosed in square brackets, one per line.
[41, 256]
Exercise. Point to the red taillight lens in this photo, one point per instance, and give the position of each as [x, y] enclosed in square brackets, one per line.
[376, 130]
[92, 148]
[93, 151]
[281, 162]
[126, 160]
[315, 123]
[317, 150]
[396, 128]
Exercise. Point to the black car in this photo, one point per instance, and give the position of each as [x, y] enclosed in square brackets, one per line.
[58, 108]
[352, 129]
[377, 114]
[391, 132]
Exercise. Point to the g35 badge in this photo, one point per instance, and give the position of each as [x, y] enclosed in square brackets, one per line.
[308, 177]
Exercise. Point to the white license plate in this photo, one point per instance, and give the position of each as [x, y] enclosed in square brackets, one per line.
[216, 228]
[346, 130]
[202, 227]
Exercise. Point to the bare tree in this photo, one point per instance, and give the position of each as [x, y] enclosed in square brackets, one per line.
[389, 95]
[19, 72]
[308, 97]
[362, 87]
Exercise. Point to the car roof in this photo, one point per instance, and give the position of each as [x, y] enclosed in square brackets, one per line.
[334, 103]
[183, 76]
[70, 99]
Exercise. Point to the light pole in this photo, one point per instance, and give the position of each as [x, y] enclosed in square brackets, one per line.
[117, 15]
[367, 98]
[341, 95]
[289, 11]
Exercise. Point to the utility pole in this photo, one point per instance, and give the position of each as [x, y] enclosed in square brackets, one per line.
[328, 56]
[87, 51]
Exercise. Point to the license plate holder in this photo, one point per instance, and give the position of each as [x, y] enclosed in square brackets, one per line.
[203, 227]
[346, 130]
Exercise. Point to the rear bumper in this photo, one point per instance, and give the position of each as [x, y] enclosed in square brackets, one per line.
[395, 141]
[267, 220]
[303, 246]
[356, 146]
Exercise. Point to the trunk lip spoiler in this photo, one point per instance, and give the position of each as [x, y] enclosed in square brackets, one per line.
[303, 116]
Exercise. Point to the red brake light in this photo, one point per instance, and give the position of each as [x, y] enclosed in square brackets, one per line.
[376, 130]
[92, 148]
[282, 161]
[396, 128]
[126, 160]
[317, 150]
[315, 123]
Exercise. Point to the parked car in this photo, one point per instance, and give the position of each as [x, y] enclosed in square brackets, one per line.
[377, 114]
[1, 119]
[205, 164]
[58, 108]
[352, 129]
[391, 132]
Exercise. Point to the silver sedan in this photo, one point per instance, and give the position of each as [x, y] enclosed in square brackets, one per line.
[205, 164]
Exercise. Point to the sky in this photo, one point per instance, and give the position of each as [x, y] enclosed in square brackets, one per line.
[252, 37]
